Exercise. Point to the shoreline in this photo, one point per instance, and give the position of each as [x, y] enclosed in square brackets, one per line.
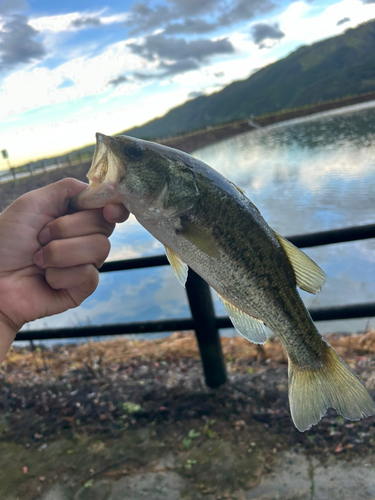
[188, 143]
[195, 140]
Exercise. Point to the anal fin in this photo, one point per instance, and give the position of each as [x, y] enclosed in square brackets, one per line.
[249, 327]
[179, 267]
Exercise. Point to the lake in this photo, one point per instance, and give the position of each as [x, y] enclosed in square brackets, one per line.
[304, 175]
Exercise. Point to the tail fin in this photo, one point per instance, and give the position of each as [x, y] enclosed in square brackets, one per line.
[313, 391]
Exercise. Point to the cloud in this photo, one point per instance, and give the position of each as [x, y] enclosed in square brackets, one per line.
[190, 26]
[179, 67]
[7, 6]
[169, 69]
[195, 94]
[193, 7]
[342, 21]
[368, 1]
[115, 82]
[86, 22]
[144, 76]
[179, 49]
[142, 18]
[74, 20]
[191, 13]
[245, 9]
[263, 31]
[18, 44]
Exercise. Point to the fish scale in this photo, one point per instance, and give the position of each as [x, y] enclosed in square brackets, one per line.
[207, 223]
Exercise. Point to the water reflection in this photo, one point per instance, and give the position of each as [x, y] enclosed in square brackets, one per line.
[305, 175]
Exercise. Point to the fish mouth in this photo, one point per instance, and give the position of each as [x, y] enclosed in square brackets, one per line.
[103, 176]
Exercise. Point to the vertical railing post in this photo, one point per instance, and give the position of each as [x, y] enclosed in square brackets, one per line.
[202, 310]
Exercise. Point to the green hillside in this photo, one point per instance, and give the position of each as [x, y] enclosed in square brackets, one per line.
[333, 68]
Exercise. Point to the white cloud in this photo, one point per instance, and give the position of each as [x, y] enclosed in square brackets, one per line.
[77, 130]
[64, 22]
[131, 251]
[302, 23]
[90, 77]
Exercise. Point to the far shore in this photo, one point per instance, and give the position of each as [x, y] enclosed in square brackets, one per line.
[188, 142]
[201, 138]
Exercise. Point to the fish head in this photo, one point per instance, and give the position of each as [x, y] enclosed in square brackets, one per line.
[151, 180]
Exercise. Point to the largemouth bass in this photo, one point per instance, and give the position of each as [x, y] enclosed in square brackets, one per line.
[207, 223]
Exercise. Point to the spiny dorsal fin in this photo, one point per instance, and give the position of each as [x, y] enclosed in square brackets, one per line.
[239, 189]
[179, 268]
[244, 194]
[251, 328]
[200, 239]
[309, 276]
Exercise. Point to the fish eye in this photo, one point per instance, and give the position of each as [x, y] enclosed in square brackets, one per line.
[133, 151]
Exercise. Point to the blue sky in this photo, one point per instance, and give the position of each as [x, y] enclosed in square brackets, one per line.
[68, 70]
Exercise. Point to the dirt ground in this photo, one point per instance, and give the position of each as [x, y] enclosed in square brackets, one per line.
[125, 419]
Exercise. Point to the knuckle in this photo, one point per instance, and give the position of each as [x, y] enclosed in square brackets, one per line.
[58, 228]
[69, 183]
[102, 249]
[51, 253]
[50, 276]
[90, 277]
[109, 228]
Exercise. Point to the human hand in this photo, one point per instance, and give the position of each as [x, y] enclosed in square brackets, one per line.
[48, 257]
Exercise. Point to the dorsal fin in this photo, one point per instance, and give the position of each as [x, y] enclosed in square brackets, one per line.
[309, 276]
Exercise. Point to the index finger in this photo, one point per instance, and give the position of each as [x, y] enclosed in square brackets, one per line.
[52, 200]
[74, 225]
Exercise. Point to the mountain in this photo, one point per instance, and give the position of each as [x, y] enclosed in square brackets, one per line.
[333, 68]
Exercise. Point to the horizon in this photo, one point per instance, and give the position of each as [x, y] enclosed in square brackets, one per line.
[69, 71]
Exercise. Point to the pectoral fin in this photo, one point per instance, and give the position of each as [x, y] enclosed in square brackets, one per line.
[200, 239]
[179, 268]
[309, 276]
[251, 328]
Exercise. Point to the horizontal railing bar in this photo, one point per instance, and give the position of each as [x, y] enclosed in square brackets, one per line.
[324, 314]
[344, 312]
[167, 325]
[301, 241]
[333, 236]
[138, 263]
[172, 325]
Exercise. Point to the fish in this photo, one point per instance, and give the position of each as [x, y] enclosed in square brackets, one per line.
[208, 224]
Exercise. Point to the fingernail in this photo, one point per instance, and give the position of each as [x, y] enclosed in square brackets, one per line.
[38, 258]
[44, 236]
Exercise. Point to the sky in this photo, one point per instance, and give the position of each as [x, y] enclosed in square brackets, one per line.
[71, 69]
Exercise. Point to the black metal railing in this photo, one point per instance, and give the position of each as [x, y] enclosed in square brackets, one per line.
[203, 319]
